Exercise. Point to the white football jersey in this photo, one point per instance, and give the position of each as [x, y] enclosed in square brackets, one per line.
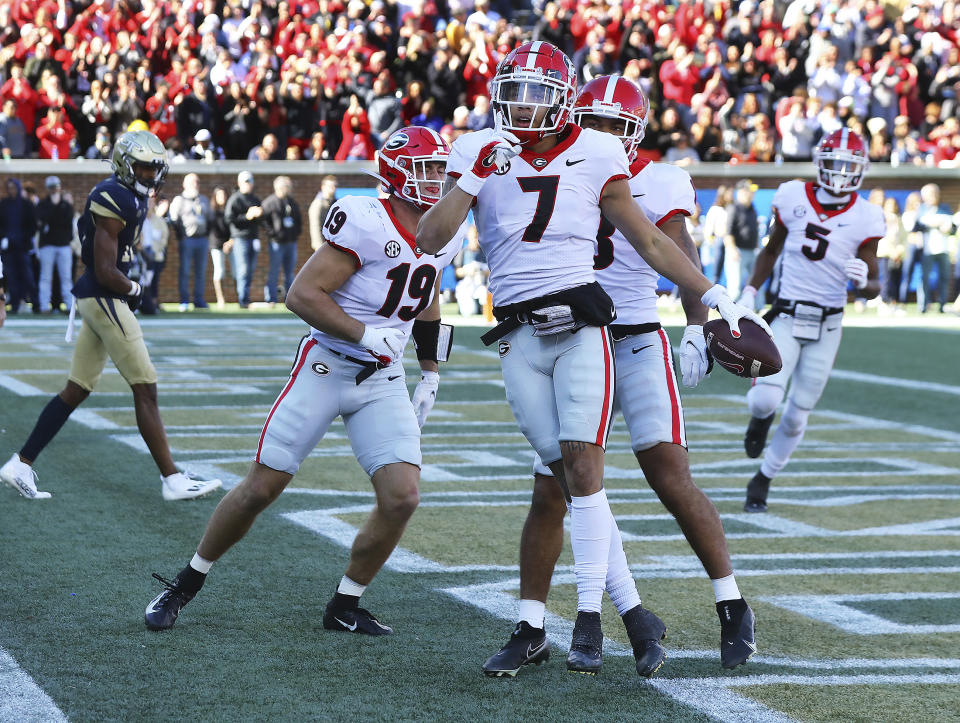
[662, 191]
[820, 241]
[394, 281]
[538, 221]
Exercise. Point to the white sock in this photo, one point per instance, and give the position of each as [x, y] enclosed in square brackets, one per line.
[590, 539]
[725, 588]
[621, 587]
[532, 611]
[201, 565]
[349, 587]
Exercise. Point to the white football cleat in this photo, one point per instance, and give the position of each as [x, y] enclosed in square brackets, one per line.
[22, 478]
[184, 486]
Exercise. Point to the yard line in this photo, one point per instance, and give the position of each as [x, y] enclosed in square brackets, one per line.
[21, 699]
[865, 378]
[830, 609]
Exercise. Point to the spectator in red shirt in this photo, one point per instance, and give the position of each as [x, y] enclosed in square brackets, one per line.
[55, 134]
[357, 144]
[680, 77]
[19, 91]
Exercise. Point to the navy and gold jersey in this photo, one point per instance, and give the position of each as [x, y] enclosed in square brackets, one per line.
[109, 199]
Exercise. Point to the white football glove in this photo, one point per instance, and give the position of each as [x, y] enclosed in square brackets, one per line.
[694, 362]
[856, 270]
[748, 297]
[384, 344]
[425, 395]
[718, 298]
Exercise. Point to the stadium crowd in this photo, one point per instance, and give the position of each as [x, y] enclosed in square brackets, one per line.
[733, 81]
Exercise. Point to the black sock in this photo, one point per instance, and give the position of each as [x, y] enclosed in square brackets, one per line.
[190, 580]
[51, 419]
[345, 602]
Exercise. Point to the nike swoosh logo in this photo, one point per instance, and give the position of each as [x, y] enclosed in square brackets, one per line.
[637, 195]
[573, 163]
[351, 628]
[640, 349]
[531, 651]
[390, 379]
[841, 225]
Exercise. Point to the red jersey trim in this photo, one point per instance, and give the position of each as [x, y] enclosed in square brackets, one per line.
[301, 359]
[618, 177]
[821, 211]
[345, 250]
[868, 240]
[638, 165]
[404, 234]
[548, 156]
[670, 214]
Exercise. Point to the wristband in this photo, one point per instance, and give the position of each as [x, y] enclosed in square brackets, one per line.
[135, 289]
[470, 183]
[432, 340]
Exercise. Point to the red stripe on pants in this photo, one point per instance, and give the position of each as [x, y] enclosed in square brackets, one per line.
[304, 351]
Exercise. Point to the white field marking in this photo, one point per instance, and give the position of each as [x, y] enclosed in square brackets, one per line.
[21, 699]
[831, 609]
[896, 382]
[21, 389]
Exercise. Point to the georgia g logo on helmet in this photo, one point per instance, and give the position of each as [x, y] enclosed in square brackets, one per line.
[397, 140]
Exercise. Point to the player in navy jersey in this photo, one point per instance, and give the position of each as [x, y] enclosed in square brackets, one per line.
[363, 293]
[106, 299]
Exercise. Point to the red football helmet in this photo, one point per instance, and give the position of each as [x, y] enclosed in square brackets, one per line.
[613, 96]
[402, 165]
[536, 76]
[841, 160]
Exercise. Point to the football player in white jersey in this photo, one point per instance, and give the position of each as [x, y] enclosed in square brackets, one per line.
[539, 184]
[362, 292]
[827, 236]
[646, 390]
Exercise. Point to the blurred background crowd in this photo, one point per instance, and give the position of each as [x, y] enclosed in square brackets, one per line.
[729, 81]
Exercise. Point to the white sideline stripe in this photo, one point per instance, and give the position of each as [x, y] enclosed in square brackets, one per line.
[831, 609]
[896, 382]
[21, 699]
[714, 699]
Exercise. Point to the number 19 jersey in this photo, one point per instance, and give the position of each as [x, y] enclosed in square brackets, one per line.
[538, 219]
[394, 281]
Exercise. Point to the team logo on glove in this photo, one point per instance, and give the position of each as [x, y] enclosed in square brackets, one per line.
[392, 249]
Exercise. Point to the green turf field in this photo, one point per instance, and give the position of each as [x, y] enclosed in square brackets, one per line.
[854, 573]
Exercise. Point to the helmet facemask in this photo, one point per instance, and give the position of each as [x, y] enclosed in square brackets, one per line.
[634, 128]
[140, 148]
[416, 187]
[531, 104]
[840, 171]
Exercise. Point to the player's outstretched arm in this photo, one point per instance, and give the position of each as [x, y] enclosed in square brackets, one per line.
[764, 262]
[309, 296]
[676, 230]
[441, 222]
[425, 394]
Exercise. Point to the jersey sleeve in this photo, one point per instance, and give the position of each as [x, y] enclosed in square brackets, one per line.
[112, 202]
[875, 225]
[464, 151]
[612, 149]
[674, 195]
[344, 226]
[781, 199]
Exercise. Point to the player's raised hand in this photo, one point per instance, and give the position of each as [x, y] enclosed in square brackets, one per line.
[856, 270]
[731, 312]
[494, 156]
[695, 361]
[425, 395]
[386, 345]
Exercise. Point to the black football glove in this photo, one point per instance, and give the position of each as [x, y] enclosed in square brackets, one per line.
[134, 299]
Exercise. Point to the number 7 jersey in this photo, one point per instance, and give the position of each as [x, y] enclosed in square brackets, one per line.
[820, 241]
[394, 280]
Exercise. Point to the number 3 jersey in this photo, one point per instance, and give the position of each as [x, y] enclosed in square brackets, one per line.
[662, 191]
[394, 280]
[538, 220]
[820, 241]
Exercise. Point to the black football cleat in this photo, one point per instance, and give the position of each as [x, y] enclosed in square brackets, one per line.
[737, 639]
[527, 645]
[645, 631]
[163, 610]
[756, 437]
[354, 620]
[586, 646]
[757, 490]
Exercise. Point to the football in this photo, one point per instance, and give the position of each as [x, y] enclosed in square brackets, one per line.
[754, 354]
